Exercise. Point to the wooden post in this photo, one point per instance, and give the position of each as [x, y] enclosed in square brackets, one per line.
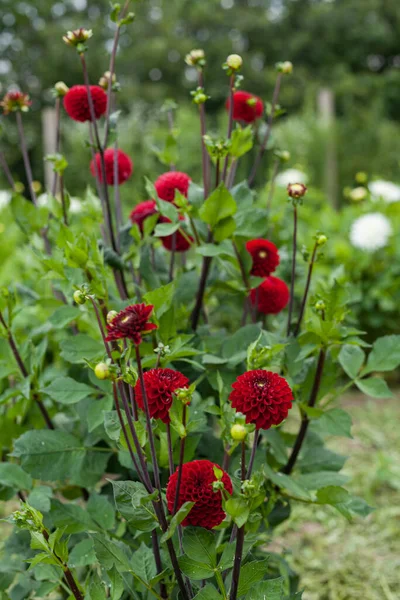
[326, 111]
[49, 132]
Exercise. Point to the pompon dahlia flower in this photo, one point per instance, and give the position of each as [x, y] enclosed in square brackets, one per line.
[169, 182]
[131, 323]
[265, 257]
[125, 166]
[76, 102]
[142, 211]
[263, 397]
[246, 107]
[176, 241]
[271, 296]
[160, 386]
[197, 486]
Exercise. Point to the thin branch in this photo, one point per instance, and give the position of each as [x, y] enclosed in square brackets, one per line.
[7, 172]
[304, 301]
[25, 156]
[294, 252]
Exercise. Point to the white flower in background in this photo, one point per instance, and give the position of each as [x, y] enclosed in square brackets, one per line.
[5, 198]
[290, 176]
[370, 232]
[75, 205]
[385, 190]
[43, 200]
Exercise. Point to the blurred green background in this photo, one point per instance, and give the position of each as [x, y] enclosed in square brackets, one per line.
[348, 46]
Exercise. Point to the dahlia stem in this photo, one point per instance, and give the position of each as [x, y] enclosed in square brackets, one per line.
[237, 563]
[111, 69]
[133, 403]
[272, 187]
[230, 122]
[63, 201]
[170, 449]
[170, 117]
[24, 372]
[226, 459]
[253, 453]
[58, 141]
[306, 290]
[200, 293]
[117, 197]
[106, 237]
[288, 468]
[103, 335]
[264, 143]
[157, 558]
[204, 154]
[217, 172]
[127, 440]
[108, 220]
[25, 156]
[232, 173]
[7, 172]
[195, 232]
[172, 258]
[243, 462]
[181, 456]
[245, 277]
[294, 252]
[148, 422]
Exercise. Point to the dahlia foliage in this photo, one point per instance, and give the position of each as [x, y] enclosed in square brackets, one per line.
[169, 369]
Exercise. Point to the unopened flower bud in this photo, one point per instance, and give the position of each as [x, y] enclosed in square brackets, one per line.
[61, 88]
[238, 432]
[285, 67]
[218, 486]
[296, 190]
[104, 81]
[283, 155]
[321, 239]
[79, 298]
[361, 177]
[195, 58]
[15, 102]
[19, 187]
[358, 194]
[102, 371]
[77, 37]
[199, 96]
[111, 315]
[234, 62]
[184, 395]
[320, 305]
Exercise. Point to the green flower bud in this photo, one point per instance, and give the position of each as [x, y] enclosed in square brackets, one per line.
[111, 315]
[238, 432]
[285, 67]
[79, 298]
[320, 305]
[61, 88]
[102, 371]
[321, 239]
[361, 177]
[234, 62]
[358, 194]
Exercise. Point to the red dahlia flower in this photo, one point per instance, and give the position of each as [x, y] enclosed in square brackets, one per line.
[271, 296]
[246, 107]
[142, 211]
[264, 397]
[197, 486]
[131, 323]
[125, 166]
[176, 241]
[265, 257]
[167, 183]
[76, 102]
[160, 386]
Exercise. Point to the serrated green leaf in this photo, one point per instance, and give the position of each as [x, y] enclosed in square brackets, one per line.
[351, 359]
[200, 544]
[195, 570]
[81, 347]
[68, 391]
[218, 206]
[385, 354]
[374, 387]
[250, 574]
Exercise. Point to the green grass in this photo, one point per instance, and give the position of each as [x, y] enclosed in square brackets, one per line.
[338, 560]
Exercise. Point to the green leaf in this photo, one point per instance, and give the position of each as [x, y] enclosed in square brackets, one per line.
[142, 562]
[40, 498]
[223, 249]
[238, 509]
[271, 589]
[68, 391]
[241, 141]
[200, 545]
[374, 387]
[208, 592]
[82, 554]
[320, 479]
[110, 554]
[13, 476]
[251, 573]
[218, 206]
[351, 359]
[161, 298]
[164, 229]
[72, 517]
[133, 502]
[177, 520]
[117, 584]
[340, 499]
[385, 354]
[195, 570]
[224, 229]
[334, 422]
[96, 410]
[285, 482]
[52, 455]
[63, 315]
[101, 511]
[79, 348]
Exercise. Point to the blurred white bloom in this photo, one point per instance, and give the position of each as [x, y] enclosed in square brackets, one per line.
[43, 200]
[75, 205]
[5, 198]
[370, 232]
[388, 191]
[290, 176]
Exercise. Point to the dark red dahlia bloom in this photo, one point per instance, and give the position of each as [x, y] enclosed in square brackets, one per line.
[131, 323]
[197, 486]
[264, 397]
[246, 107]
[125, 166]
[142, 211]
[265, 257]
[176, 241]
[76, 102]
[160, 385]
[167, 183]
[271, 296]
